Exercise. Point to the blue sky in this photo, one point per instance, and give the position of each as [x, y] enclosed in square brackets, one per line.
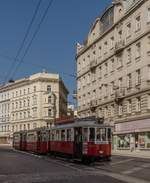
[67, 22]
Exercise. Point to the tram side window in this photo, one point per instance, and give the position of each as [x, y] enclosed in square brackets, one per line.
[68, 134]
[109, 134]
[62, 135]
[44, 137]
[53, 135]
[92, 134]
[57, 135]
[98, 134]
[103, 131]
[85, 134]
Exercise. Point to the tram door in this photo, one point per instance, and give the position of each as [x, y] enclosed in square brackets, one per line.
[78, 141]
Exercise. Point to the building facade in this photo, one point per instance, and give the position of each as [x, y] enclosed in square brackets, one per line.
[113, 72]
[31, 103]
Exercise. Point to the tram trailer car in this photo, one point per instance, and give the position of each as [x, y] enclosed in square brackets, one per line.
[84, 139]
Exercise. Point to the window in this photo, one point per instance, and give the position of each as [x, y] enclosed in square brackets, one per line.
[106, 69]
[138, 77]
[129, 106]
[85, 134]
[28, 102]
[120, 62]
[138, 50]
[120, 109]
[34, 125]
[28, 126]
[20, 126]
[20, 115]
[111, 42]
[120, 83]
[137, 23]
[106, 112]
[92, 134]
[100, 72]
[68, 134]
[148, 15]
[20, 104]
[148, 101]
[49, 99]
[112, 88]
[129, 81]
[49, 112]
[128, 55]
[112, 112]
[34, 88]
[128, 30]
[105, 47]
[49, 88]
[138, 104]
[16, 105]
[103, 133]
[148, 45]
[112, 66]
[62, 135]
[148, 73]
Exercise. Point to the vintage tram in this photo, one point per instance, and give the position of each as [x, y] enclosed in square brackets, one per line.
[84, 139]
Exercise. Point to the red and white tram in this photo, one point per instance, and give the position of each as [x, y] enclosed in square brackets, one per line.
[84, 139]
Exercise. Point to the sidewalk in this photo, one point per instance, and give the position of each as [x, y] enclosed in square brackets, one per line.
[137, 154]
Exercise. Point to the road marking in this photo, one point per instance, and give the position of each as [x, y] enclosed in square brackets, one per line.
[136, 169]
[123, 178]
[120, 162]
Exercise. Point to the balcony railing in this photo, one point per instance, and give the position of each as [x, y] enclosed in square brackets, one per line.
[119, 46]
[93, 64]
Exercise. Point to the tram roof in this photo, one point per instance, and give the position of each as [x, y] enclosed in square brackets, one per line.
[88, 123]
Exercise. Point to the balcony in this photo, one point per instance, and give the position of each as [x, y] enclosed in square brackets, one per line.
[119, 95]
[119, 46]
[93, 104]
[93, 64]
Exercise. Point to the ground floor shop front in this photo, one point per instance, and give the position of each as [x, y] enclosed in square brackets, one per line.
[133, 135]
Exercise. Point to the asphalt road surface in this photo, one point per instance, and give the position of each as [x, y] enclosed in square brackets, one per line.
[21, 167]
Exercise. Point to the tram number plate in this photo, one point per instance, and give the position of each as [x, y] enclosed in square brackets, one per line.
[85, 148]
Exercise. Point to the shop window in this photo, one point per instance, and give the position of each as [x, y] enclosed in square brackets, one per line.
[124, 141]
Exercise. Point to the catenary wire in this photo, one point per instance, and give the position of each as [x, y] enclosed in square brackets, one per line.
[24, 39]
[32, 39]
[38, 65]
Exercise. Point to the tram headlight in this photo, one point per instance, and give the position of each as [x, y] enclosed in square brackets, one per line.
[101, 152]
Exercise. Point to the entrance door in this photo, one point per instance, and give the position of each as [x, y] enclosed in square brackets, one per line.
[78, 141]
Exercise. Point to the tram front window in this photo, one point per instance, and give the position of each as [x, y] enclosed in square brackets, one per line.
[98, 134]
[85, 134]
[92, 134]
[109, 134]
[103, 131]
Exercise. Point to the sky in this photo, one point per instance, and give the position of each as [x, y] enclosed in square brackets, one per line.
[54, 47]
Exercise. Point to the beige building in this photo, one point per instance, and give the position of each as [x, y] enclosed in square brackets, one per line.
[30, 103]
[113, 72]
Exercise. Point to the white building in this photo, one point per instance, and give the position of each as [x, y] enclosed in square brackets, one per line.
[30, 103]
[113, 72]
